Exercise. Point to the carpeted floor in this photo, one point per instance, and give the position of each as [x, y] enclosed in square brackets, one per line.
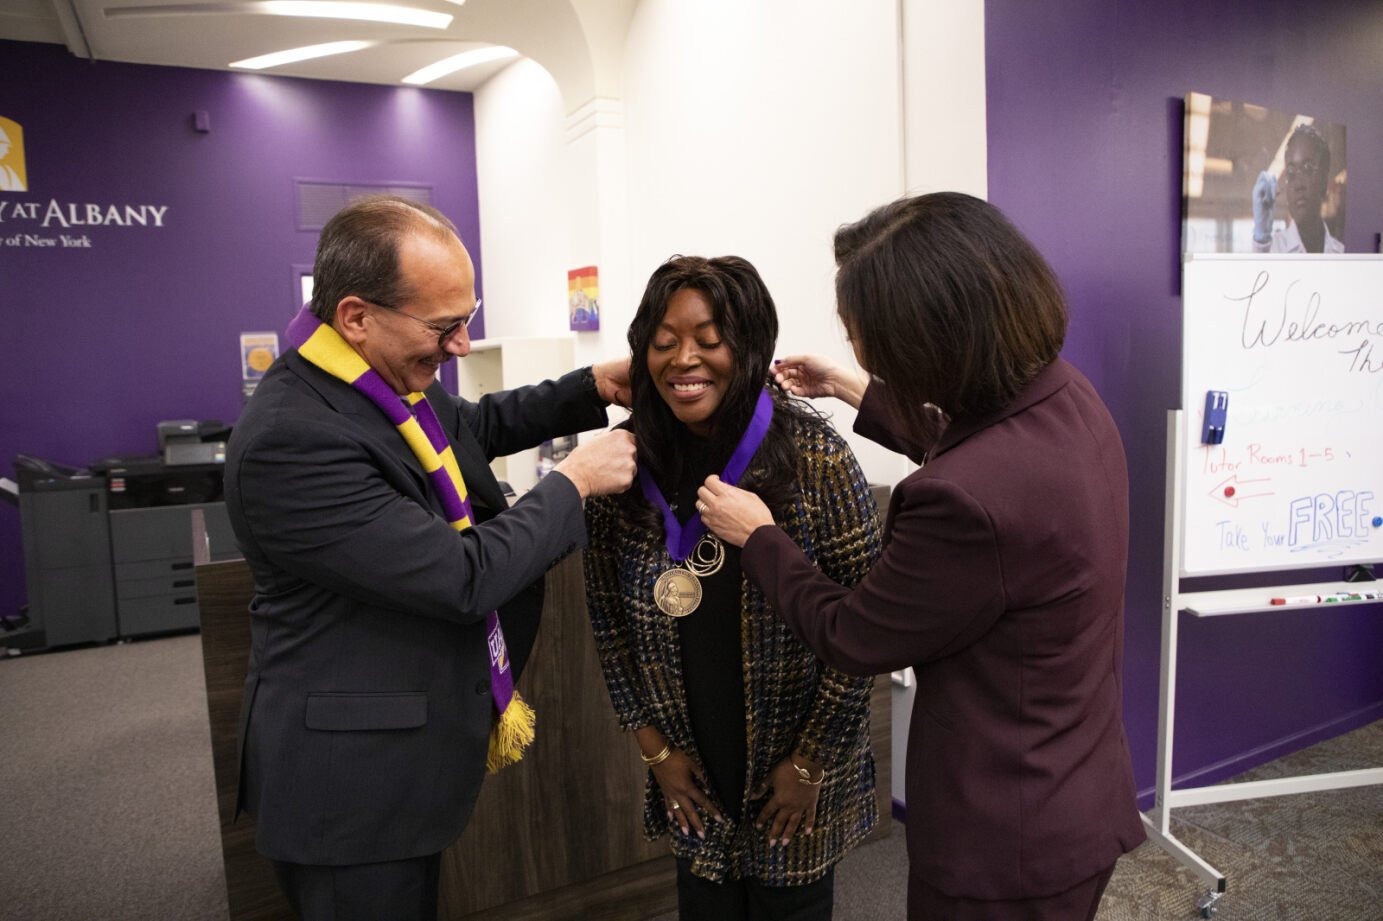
[107, 813]
[1303, 857]
[109, 803]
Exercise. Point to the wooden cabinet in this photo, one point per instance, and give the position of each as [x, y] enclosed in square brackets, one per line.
[557, 836]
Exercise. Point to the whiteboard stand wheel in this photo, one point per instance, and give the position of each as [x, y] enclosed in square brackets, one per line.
[1210, 904]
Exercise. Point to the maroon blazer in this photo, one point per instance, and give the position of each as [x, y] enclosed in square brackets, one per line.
[1002, 585]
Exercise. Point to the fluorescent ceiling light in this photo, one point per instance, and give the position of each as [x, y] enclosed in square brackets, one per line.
[369, 12]
[458, 62]
[317, 9]
[293, 55]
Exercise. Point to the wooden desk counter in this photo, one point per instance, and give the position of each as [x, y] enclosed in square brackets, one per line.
[557, 836]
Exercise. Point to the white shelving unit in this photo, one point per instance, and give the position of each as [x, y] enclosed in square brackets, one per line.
[506, 363]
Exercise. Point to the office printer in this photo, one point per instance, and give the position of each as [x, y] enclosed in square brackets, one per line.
[188, 441]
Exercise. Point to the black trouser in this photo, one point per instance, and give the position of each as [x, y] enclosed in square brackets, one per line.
[749, 900]
[400, 890]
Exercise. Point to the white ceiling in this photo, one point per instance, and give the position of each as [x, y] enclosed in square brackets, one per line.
[209, 35]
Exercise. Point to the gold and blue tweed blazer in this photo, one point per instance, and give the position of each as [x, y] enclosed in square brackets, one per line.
[793, 702]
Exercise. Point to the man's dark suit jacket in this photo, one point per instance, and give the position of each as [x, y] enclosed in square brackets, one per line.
[1002, 585]
[367, 703]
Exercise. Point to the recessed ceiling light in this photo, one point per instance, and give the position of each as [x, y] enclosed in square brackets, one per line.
[293, 55]
[369, 12]
[318, 9]
[459, 62]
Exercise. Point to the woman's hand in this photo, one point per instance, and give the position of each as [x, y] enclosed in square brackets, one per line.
[793, 803]
[732, 513]
[678, 778]
[818, 376]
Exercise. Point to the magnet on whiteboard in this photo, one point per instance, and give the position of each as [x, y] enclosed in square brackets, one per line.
[1216, 409]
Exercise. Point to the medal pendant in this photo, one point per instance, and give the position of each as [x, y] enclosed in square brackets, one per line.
[677, 592]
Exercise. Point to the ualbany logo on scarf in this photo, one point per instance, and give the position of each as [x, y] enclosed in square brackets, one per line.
[498, 654]
[14, 176]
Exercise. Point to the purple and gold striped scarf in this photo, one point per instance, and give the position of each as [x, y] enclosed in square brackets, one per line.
[512, 729]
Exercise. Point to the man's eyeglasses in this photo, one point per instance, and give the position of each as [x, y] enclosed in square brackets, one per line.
[443, 332]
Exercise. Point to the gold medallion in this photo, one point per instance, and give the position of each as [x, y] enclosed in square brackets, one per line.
[677, 592]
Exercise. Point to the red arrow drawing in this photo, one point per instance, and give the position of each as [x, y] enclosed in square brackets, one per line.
[1229, 490]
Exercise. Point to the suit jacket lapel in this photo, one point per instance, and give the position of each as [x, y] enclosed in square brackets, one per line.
[363, 413]
[481, 484]
[475, 467]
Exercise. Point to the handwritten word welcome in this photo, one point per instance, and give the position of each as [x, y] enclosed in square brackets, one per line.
[1266, 326]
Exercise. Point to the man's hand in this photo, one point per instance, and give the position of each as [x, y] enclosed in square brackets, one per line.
[612, 381]
[604, 465]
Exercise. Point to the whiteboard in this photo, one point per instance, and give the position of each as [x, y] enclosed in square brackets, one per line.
[1296, 342]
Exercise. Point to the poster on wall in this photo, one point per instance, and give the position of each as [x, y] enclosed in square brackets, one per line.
[583, 298]
[257, 353]
[1260, 180]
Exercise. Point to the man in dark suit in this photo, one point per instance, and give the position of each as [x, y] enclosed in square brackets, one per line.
[371, 686]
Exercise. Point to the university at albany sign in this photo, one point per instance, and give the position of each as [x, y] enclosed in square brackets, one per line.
[54, 224]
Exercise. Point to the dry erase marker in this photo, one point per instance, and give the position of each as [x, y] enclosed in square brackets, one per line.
[1300, 599]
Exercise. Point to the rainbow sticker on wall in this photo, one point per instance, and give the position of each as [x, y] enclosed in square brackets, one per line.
[583, 298]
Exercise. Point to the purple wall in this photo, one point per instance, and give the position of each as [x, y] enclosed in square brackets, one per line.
[1085, 133]
[99, 344]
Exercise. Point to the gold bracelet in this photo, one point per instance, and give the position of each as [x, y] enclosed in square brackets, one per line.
[804, 776]
[659, 758]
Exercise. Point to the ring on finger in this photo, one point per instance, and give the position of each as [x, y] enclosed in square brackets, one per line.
[676, 805]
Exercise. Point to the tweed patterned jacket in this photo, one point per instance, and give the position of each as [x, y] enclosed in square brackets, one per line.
[792, 700]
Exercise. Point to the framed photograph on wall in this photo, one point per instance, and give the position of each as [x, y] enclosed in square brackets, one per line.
[1260, 180]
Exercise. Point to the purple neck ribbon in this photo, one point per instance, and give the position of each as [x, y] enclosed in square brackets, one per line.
[682, 539]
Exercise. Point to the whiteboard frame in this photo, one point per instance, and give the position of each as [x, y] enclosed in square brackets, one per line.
[1157, 821]
[1186, 404]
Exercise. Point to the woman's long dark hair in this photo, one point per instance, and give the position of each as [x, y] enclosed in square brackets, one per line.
[747, 322]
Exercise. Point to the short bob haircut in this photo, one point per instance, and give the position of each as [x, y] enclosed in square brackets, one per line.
[358, 253]
[948, 304]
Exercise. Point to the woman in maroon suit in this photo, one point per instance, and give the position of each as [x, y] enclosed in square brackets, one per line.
[1002, 576]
